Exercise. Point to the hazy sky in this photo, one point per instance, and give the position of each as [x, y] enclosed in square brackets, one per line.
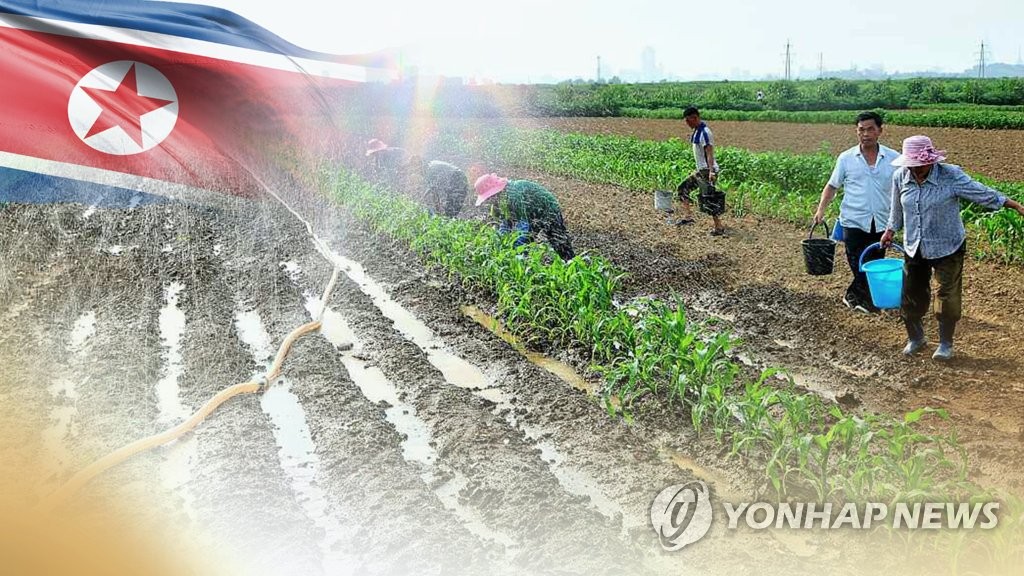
[531, 39]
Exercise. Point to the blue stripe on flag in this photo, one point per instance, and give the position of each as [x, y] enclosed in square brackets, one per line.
[23, 187]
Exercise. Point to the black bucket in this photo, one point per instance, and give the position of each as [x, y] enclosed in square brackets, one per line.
[819, 253]
[712, 203]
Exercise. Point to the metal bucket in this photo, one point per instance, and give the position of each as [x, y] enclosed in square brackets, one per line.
[663, 200]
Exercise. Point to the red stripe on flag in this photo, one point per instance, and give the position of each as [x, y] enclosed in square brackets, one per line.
[227, 114]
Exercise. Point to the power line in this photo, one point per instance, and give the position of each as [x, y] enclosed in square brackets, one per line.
[789, 61]
[981, 60]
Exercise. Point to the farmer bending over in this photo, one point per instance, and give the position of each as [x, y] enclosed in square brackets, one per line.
[386, 163]
[446, 185]
[524, 208]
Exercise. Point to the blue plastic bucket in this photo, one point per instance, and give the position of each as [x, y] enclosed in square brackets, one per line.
[885, 278]
[837, 232]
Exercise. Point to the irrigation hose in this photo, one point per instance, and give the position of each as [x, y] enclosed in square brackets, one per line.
[83, 476]
[118, 456]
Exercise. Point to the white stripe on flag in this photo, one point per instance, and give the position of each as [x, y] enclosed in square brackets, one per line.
[319, 68]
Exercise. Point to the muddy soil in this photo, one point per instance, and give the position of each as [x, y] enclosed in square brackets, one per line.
[431, 447]
[992, 153]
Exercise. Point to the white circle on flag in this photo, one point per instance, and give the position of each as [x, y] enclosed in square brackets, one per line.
[156, 125]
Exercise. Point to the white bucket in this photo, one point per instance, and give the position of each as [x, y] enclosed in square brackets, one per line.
[663, 200]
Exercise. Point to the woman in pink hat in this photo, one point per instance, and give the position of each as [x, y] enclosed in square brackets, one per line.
[926, 196]
[526, 208]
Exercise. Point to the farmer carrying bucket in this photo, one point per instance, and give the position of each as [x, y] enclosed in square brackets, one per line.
[926, 197]
[885, 277]
[819, 253]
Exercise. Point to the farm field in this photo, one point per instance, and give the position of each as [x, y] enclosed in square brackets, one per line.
[753, 283]
[433, 442]
[993, 153]
[356, 296]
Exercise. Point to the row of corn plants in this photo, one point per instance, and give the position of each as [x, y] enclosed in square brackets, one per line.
[776, 184]
[944, 118]
[648, 350]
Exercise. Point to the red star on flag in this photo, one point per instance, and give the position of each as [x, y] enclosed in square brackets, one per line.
[123, 107]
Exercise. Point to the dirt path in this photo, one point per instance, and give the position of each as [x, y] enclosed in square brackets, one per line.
[993, 153]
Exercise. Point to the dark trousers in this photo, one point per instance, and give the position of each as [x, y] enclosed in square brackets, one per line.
[917, 293]
[710, 200]
[856, 241]
[557, 235]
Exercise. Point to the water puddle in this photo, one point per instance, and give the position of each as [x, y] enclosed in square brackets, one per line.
[559, 369]
[455, 370]
[64, 391]
[296, 450]
[683, 462]
[172, 329]
[460, 372]
[417, 443]
[179, 458]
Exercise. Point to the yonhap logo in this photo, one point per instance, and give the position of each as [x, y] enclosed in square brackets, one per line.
[681, 514]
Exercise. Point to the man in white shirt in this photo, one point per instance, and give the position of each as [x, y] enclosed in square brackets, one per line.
[864, 172]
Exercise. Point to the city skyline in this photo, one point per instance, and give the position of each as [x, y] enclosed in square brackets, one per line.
[535, 39]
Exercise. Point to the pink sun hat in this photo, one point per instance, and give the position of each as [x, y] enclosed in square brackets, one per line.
[488, 185]
[919, 151]
[375, 145]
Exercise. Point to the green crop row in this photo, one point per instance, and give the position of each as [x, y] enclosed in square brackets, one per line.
[776, 184]
[952, 118]
[608, 99]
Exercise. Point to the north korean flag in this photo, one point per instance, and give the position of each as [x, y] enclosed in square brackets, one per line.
[173, 93]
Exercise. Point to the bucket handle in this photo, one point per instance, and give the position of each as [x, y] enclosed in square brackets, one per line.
[828, 230]
[876, 246]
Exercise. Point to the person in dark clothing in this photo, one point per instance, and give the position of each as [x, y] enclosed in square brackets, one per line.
[525, 208]
[445, 186]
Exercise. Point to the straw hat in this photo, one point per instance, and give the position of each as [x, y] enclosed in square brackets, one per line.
[919, 151]
[488, 185]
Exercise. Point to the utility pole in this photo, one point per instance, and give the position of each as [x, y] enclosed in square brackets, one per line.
[821, 65]
[981, 60]
[599, 69]
[789, 56]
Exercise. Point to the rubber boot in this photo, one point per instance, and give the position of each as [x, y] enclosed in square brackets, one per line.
[945, 349]
[915, 336]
